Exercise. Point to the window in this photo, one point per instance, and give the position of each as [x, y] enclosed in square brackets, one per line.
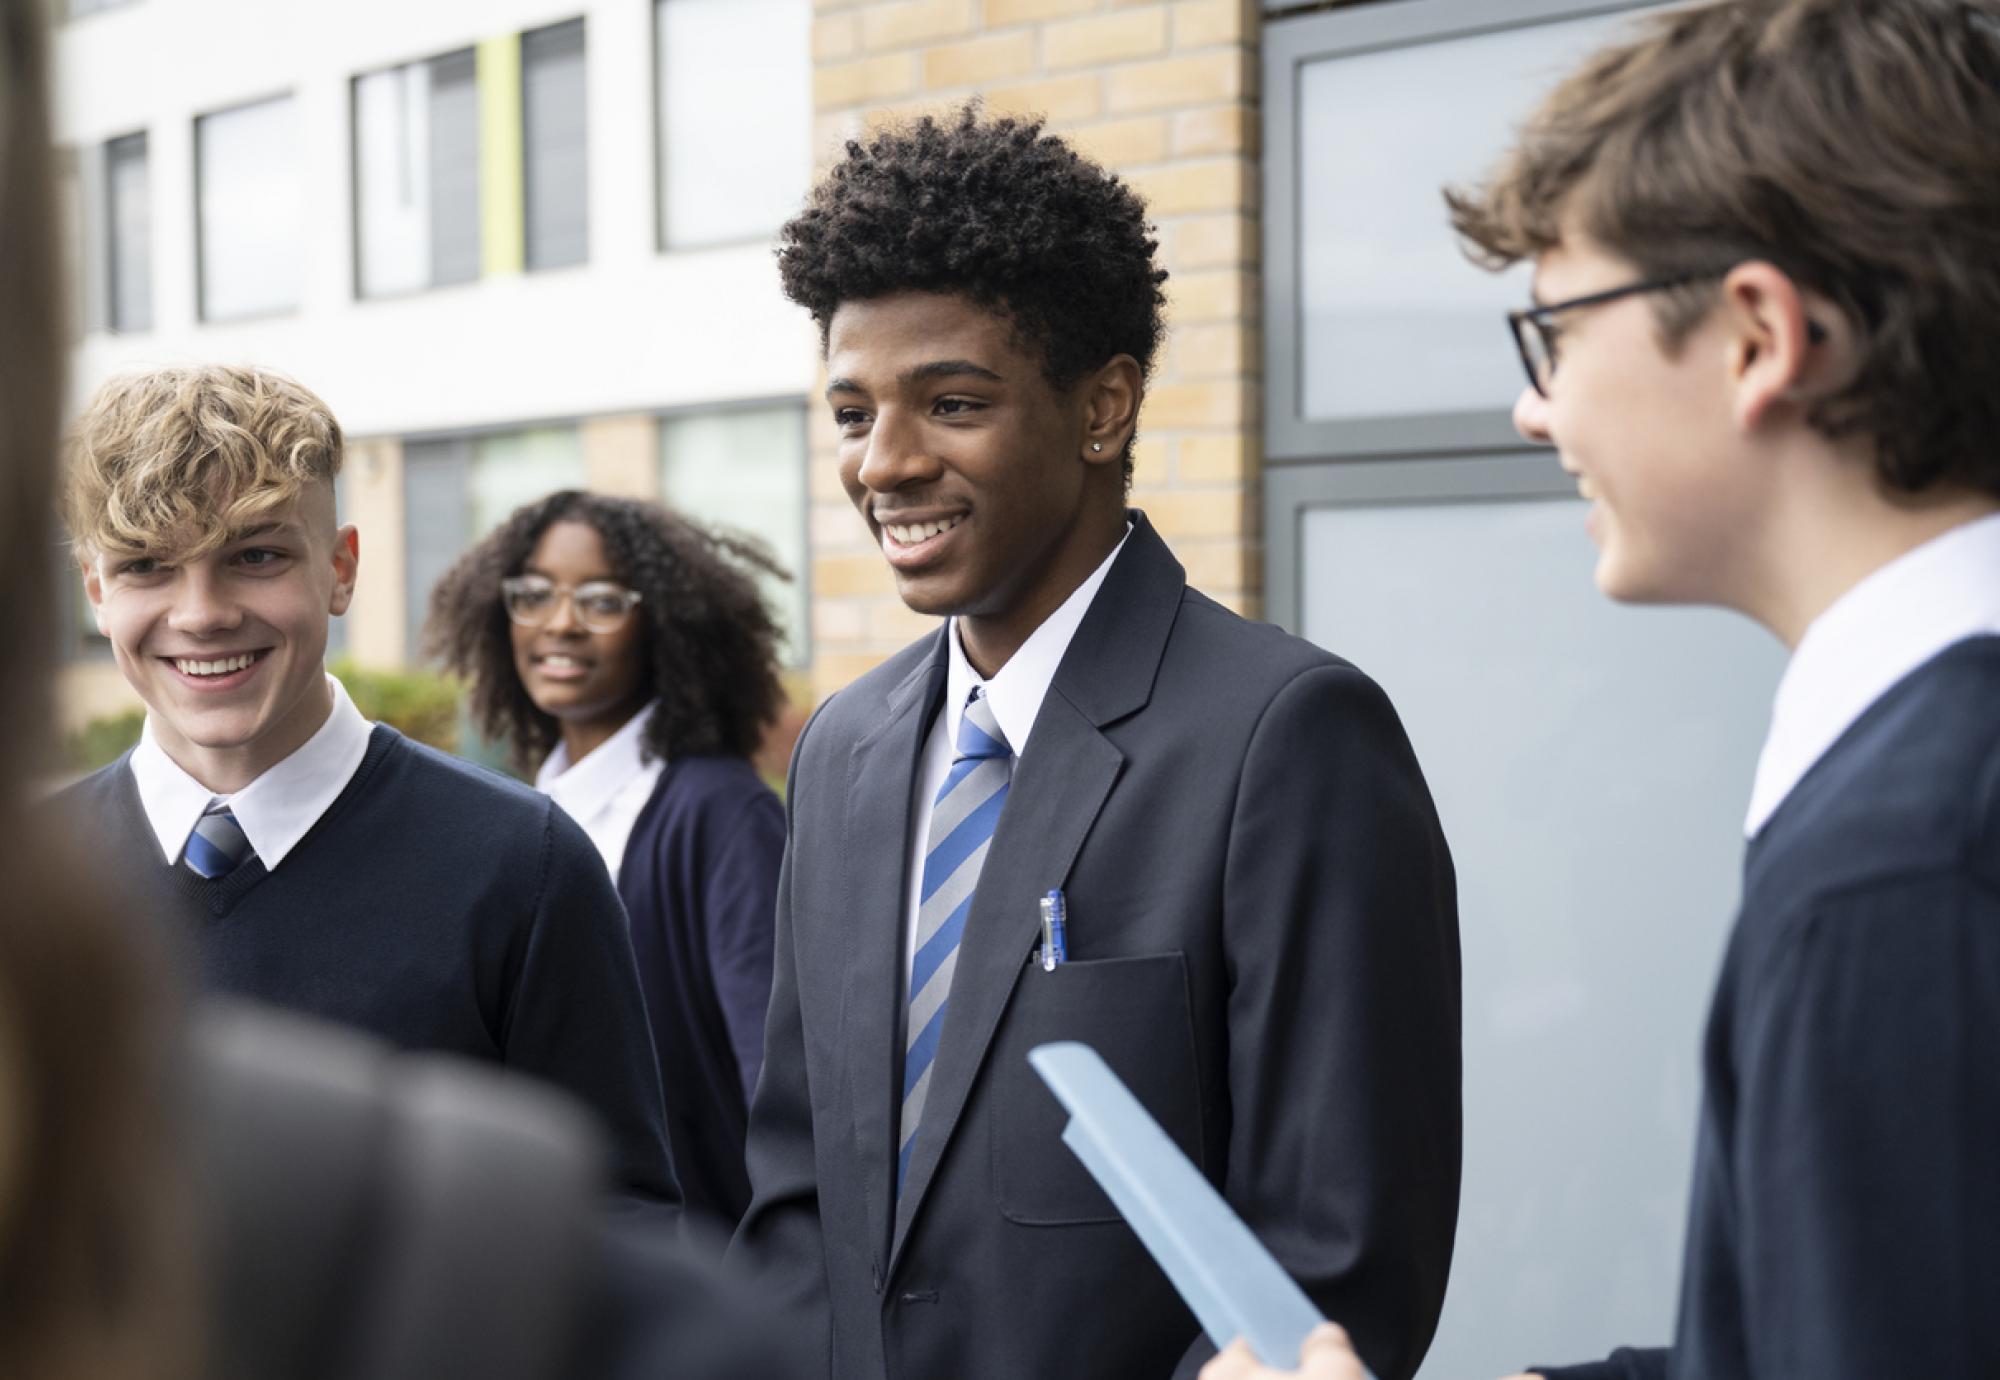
[77, 9]
[744, 469]
[1383, 332]
[129, 219]
[1590, 764]
[251, 210]
[416, 176]
[734, 112]
[456, 489]
[554, 146]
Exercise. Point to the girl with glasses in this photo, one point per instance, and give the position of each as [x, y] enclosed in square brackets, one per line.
[628, 661]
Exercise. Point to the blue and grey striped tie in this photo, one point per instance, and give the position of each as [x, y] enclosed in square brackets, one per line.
[962, 823]
[217, 845]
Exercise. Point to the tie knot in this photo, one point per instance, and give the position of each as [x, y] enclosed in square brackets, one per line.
[217, 845]
[979, 732]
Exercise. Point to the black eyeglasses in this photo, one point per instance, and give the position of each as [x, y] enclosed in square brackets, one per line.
[601, 606]
[1535, 333]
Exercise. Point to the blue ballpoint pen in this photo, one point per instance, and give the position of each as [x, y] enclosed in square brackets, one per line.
[1055, 945]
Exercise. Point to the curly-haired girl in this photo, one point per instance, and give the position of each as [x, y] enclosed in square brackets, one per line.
[625, 656]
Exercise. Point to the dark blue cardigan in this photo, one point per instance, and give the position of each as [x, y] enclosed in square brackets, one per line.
[700, 883]
[1846, 1210]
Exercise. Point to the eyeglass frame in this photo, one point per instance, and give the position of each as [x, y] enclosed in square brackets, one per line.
[1539, 317]
[559, 593]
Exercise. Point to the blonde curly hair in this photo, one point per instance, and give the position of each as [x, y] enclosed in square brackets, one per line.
[177, 461]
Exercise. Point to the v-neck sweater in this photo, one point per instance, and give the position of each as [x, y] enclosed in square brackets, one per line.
[437, 905]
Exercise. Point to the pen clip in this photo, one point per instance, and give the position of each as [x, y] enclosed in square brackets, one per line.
[1055, 939]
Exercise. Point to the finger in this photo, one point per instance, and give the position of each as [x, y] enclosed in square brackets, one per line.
[1233, 1362]
[1327, 1336]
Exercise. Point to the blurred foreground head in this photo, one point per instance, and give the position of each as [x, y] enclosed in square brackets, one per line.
[93, 1278]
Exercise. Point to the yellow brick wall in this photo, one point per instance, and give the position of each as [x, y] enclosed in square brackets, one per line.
[1165, 94]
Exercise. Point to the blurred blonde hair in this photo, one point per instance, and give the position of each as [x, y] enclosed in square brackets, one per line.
[98, 1277]
[177, 461]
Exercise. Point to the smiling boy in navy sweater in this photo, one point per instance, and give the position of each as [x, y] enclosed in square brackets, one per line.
[311, 859]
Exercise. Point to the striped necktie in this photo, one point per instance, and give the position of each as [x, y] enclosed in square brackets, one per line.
[218, 844]
[962, 823]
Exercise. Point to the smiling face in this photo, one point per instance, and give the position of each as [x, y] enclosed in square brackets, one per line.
[1675, 495]
[975, 476]
[591, 683]
[228, 649]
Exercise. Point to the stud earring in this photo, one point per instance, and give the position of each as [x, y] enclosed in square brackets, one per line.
[1097, 445]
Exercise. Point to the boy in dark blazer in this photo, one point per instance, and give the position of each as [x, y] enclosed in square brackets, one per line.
[1261, 921]
[1766, 239]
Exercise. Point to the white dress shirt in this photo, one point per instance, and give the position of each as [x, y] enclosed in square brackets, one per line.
[278, 808]
[1873, 636]
[607, 789]
[1016, 693]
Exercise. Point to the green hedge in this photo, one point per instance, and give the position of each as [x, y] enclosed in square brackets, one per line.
[422, 704]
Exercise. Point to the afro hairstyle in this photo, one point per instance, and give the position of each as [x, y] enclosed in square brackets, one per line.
[995, 211]
[711, 644]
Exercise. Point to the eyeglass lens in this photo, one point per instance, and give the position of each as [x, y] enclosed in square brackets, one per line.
[600, 606]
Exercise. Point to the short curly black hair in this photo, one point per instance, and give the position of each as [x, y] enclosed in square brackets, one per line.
[711, 643]
[996, 211]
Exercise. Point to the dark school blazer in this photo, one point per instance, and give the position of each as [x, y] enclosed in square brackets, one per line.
[1263, 943]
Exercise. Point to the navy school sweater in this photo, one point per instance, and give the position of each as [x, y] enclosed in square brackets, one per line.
[700, 882]
[437, 905]
[1845, 1220]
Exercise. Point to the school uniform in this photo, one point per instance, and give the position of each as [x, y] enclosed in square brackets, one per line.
[1845, 1218]
[1261, 940]
[376, 882]
[695, 845]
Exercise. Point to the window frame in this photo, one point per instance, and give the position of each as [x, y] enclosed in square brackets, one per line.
[802, 638]
[199, 165]
[663, 241]
[106, 171]
[580, 24]
[1289, 46]
[356, 285]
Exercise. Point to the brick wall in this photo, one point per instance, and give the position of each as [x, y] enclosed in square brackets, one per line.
[1165, 94]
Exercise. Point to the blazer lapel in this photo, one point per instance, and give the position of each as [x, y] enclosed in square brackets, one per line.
[874, 870]
[1060, 783]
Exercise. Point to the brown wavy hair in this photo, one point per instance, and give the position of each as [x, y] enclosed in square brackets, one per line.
[711, 644]
[1851, 143]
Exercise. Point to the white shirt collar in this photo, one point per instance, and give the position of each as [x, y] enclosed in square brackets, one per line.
[586, 787]
[1873, 636]
[278, 808]
[1018, 688]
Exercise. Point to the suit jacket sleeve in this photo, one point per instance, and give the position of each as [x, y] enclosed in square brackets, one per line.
[778, 1242]
[1341, 946]
[576, 1017]
[740, 901]
[1626, 1363]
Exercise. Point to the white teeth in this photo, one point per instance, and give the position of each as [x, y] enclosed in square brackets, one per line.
[910, 533]
[561, 661]
[191, 667]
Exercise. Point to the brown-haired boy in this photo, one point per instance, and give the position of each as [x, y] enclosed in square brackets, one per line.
[316, 861]
[1766, 237]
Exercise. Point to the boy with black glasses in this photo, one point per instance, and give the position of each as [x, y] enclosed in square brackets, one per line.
[1767, 237]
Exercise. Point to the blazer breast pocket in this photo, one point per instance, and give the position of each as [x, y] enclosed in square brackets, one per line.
[1133, 1011]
